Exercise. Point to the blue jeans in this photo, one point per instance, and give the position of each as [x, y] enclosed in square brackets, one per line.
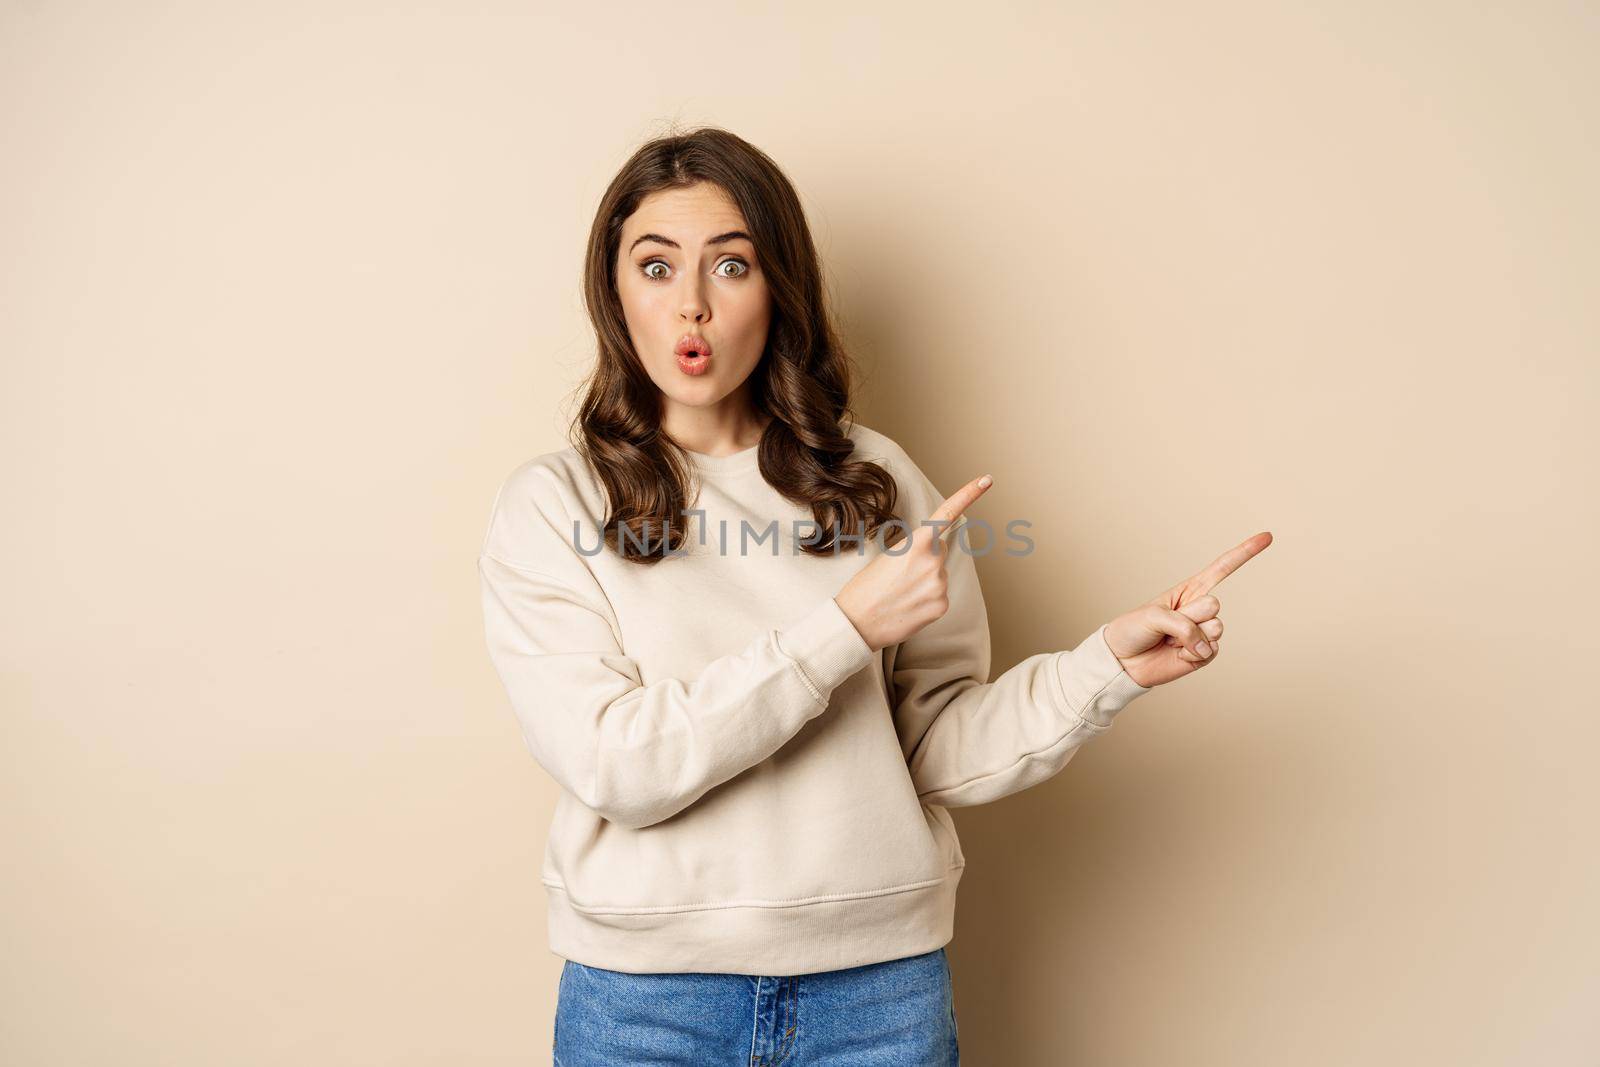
[900, 1013]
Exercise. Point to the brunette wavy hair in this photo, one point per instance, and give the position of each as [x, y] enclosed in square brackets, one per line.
[802, 380]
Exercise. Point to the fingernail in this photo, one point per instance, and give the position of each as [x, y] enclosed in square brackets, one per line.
[985, 481]
[1203, 648]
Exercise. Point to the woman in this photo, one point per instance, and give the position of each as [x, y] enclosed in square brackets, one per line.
[736, 628]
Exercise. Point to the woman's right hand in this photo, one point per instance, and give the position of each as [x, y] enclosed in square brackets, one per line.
[905, 589]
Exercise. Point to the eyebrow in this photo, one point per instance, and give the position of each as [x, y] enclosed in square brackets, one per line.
[719, 239]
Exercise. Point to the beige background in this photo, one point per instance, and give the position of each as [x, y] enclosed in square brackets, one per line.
[289, 289]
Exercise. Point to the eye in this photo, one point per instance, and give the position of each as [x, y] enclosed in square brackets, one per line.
[658, 276]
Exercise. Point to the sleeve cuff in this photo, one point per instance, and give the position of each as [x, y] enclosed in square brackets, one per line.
[825, 646]
[1094, 682]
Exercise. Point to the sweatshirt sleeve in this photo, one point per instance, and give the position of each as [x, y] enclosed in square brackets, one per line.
[968, 740]
[635, 753]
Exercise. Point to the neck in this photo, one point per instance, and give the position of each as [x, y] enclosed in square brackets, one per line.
[712, 432]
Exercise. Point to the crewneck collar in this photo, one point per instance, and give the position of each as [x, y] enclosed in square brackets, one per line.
[747, 459]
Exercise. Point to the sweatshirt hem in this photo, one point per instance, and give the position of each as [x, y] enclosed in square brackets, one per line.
[757, 937]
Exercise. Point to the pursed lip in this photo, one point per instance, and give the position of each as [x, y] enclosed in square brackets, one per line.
[693, 342]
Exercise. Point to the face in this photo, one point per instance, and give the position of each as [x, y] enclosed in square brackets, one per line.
[686, 265]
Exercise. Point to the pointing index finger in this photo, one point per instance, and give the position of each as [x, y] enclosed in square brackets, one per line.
[1225, 564]
[951, 509]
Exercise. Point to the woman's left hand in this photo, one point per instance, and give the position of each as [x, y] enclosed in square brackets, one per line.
[1178, 632]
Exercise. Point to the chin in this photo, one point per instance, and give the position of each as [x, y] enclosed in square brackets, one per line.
[694, 392]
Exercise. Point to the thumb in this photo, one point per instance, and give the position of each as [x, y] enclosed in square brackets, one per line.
[1165, 622]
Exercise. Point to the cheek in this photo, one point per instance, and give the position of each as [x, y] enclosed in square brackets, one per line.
[753, 308]
[638, 304]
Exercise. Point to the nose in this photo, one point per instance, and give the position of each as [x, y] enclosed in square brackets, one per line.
[694, 307]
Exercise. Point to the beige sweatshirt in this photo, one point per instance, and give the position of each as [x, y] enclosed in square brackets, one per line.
[745, 785]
